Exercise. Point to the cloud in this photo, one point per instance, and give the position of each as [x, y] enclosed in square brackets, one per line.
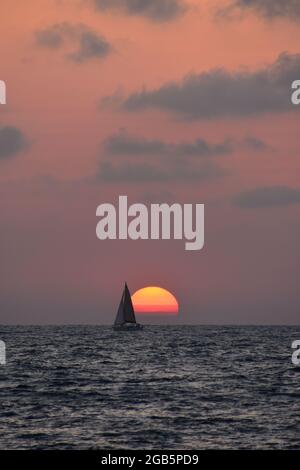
[155, 160]
[140, 172]
[155, 10]
[123, 144]
[269, 9]
[90, 45]
[219, 93]
[255, 144]
[12, 141]
[268, 197]
[54, 36]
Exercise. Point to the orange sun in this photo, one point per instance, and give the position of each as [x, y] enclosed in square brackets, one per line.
[154, 300]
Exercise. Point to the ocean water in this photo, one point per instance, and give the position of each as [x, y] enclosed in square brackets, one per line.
[166, 387]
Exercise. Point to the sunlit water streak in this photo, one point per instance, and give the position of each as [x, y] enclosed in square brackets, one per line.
[183, 387]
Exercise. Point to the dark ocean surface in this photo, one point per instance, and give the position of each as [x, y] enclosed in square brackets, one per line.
[166, 387]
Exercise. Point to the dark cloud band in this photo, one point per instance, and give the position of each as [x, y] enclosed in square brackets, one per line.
[219, 93]
[124, 144]
[140, 172]
[268, 197]
[155, 10]
[270, 8]
[90, 45]
[12, 141]
[157, 160]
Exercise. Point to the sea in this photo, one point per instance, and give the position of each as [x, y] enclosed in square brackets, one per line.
[162, 388]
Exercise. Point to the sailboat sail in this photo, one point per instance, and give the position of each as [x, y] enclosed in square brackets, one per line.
[120, 317]
[129, 315]
[125, 311]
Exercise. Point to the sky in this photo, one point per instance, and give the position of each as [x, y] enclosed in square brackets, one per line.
[162, 101]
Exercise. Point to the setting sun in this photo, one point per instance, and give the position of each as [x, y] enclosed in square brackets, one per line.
[154, 300]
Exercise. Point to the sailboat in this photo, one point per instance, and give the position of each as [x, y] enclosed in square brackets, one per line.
[125, 319]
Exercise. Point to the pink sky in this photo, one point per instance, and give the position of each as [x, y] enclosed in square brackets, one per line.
[53, 268]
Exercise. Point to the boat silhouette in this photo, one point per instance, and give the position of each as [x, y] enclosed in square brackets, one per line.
[125, 319]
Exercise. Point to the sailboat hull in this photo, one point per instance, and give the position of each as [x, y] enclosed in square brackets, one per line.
[128, 327]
